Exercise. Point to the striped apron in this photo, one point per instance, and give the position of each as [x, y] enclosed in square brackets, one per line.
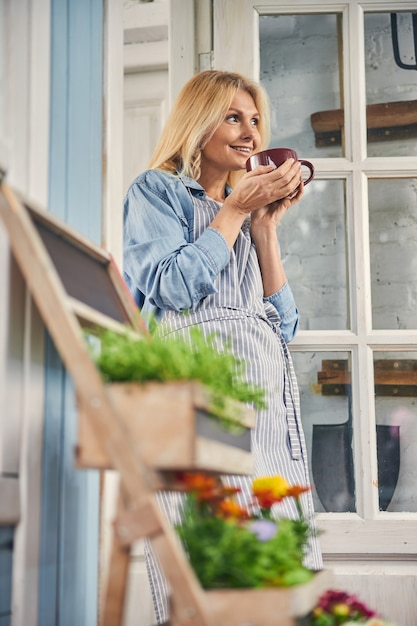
[240, 320]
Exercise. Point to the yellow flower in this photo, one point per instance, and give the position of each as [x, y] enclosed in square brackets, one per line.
[341, 610]
[269, 489]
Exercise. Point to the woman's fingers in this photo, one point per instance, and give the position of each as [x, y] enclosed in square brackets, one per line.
[266, 184]
[285, 180]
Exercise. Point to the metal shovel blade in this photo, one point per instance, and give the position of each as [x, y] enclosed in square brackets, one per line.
[332, 466]
[388, 449]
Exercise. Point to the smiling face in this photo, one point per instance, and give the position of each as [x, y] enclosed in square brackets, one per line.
[235, 139]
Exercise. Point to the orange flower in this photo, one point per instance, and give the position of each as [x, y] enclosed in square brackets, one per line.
[296, 490]
[207, 489]
[231, 509]
[196, 481]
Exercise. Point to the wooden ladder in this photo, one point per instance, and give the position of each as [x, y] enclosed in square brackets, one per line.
[76, 285]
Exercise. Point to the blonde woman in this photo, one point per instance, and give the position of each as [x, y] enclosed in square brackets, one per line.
[200, 236]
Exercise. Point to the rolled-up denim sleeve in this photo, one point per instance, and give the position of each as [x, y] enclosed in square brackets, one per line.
[159, 262]
[283, 301]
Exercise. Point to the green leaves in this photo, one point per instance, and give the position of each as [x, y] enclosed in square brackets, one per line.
[226, 554]
[129, 357]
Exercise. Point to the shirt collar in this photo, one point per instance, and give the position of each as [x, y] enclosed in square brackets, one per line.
[195, 186]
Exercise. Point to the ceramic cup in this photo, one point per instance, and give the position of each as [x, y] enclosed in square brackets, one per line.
[277, 156]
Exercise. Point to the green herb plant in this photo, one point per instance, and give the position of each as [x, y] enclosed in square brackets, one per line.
[128, 357]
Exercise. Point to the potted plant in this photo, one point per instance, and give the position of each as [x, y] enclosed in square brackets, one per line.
[185, 404]
[339, 607]
[233, 548]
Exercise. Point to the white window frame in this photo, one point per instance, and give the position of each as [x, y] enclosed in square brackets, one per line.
[369, 531]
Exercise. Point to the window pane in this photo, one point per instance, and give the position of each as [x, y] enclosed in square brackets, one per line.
[396, 417]
[312, 237]
[323, 380]
[391, 86]
[393, 249]
[299, 57]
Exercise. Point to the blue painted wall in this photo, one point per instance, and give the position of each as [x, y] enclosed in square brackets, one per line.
[70, 497]
[6, 552]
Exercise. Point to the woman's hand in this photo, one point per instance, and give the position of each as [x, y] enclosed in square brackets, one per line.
[268, 187]
[266, 192]
[268, 218]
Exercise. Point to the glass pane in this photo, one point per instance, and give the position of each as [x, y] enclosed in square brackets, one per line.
[299, 57]
[323, 380]
[396, 417]
[313, 247]
[393, 249]
[391, 86]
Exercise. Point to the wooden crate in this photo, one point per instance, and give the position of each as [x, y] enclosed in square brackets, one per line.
[172, 428]
[273, 606]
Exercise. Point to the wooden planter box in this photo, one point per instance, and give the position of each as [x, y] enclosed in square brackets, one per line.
[277, 606]
[172, 429]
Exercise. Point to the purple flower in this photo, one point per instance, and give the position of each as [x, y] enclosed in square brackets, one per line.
[264, 529]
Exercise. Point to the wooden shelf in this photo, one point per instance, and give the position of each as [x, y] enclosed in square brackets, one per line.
[138, 430]
[393, 377]
[173, 429]
[385, 122]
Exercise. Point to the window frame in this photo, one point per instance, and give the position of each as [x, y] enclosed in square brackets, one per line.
[369, 530]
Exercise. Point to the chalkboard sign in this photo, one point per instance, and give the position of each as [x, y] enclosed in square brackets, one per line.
[84, 275]
[89, 279]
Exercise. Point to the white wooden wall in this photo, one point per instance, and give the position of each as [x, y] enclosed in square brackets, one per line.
[24, 145]
[146, 95]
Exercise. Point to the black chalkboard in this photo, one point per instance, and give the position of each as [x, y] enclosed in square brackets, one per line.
[85, 277]
[88, 273]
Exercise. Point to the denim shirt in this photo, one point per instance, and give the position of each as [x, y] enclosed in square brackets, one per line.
[163, 266]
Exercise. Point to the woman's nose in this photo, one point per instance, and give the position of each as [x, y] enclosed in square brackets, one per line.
[249, 130]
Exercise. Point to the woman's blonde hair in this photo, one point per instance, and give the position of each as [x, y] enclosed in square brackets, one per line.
[197, 113]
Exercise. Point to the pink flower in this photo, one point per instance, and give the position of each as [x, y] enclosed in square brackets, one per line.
[334, 602]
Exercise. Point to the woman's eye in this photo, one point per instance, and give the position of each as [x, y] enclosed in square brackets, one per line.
[232, 118]
[255, 121]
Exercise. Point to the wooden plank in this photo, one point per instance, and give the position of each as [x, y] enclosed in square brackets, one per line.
[273, 606]
[382, 377]
[73, 256]
[50, 297]
[9, 500]
[93, 319]
[393, 377]
[133, 524]
[336, 378]
[385, 121]
[135, 319]
[188, 605]
[117, 574]
[56, 225]
[107, 426]
[381, 115]
[168, 440]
